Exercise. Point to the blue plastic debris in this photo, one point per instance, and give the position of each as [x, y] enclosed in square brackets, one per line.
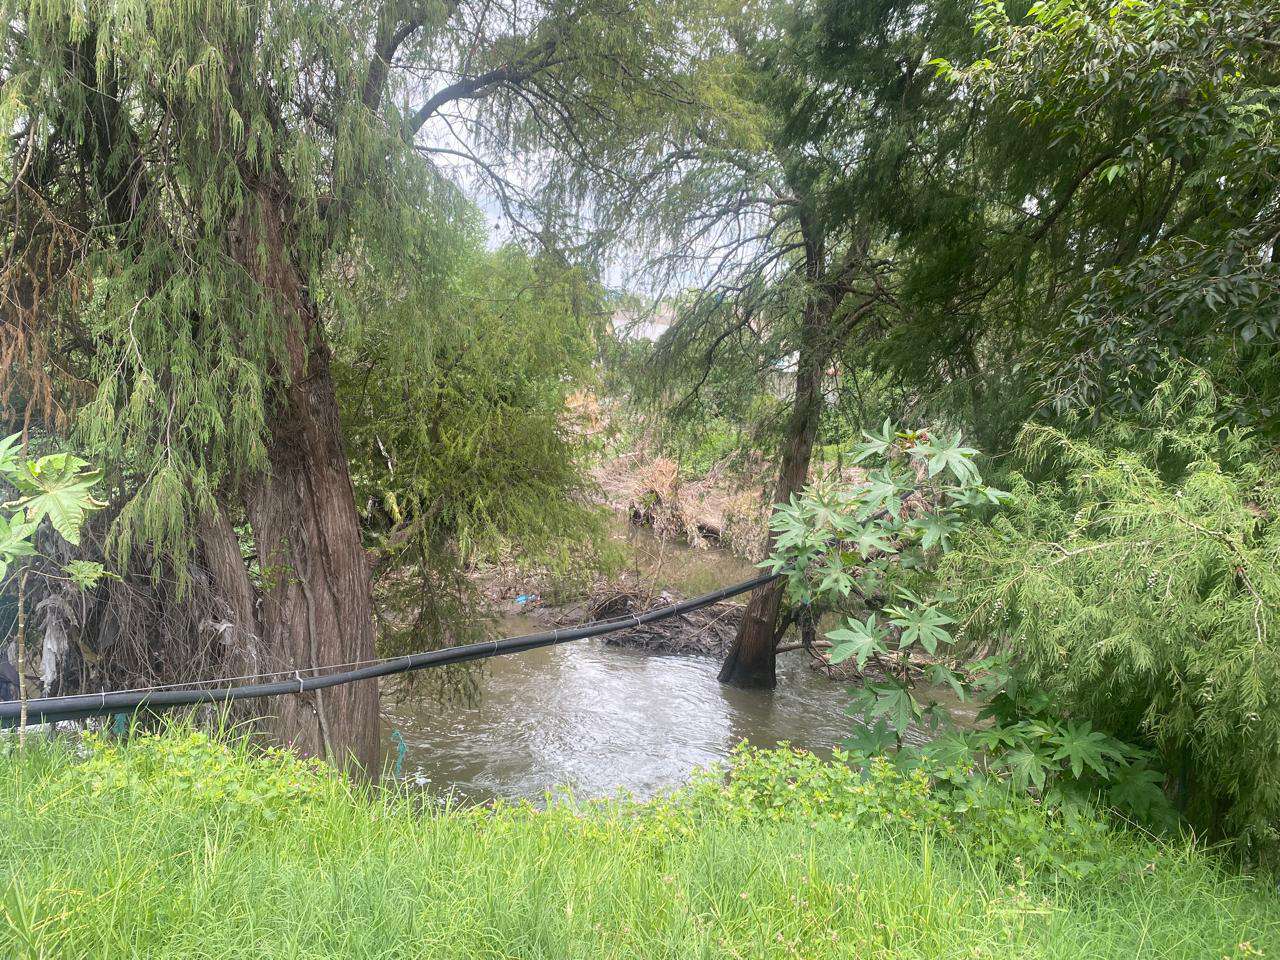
[401, 749]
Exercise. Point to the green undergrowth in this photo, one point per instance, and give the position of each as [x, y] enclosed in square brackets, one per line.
[184, 846]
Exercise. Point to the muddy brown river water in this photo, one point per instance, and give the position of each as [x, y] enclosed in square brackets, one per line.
[598, 719]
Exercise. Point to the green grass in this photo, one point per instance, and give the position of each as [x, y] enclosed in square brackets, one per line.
[178, 847]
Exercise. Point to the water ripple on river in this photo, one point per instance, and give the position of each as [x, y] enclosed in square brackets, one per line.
[599, 719]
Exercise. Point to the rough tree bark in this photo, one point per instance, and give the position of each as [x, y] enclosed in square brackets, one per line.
[222, 557]
[316, 608]
[751, 661]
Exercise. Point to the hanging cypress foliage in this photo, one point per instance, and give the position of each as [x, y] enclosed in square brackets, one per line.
[201, 192]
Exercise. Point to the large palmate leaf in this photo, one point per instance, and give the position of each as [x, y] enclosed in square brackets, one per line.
[940, 673]
[861, 640]
[58, 487]
[877, 445]
[978, 495]
[1139, 789]
[871, 541]
[936, 529]
[835, 577]
[1028, 765]
[1083, 746]
[943, 454]
[883, 491]
[871, 739]
[897, 706]
[895, 703]
[923, 625]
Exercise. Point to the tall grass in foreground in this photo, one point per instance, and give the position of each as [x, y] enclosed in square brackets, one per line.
[181, 847]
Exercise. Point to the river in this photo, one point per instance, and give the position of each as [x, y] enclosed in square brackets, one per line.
[597, 719]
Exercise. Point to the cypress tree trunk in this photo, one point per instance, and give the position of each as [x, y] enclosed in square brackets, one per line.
[221, 549]
[316, 609]
[751, 661]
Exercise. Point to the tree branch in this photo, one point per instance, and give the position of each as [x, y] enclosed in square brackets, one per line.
[517, 71]
[392, 34]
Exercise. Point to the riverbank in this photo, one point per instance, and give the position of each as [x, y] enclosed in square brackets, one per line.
[183, 847]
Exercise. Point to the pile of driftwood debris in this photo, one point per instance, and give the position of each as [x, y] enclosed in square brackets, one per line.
[707, 632]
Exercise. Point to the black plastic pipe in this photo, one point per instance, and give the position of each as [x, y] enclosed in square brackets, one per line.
[50, 709]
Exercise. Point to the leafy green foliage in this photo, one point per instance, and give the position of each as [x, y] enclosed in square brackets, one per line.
[877, 543]
[1134, 582]
[85, 573]
[192, 768]
[790, 785]
[793, 784]
[923, 625]
[245, 177]
[15, 541]
[1026, 741]
[463, 443]
[1146, 153]
[949, 455]
[867, 544]
[56, 487]
[782, 855]
[858, 639]
[802, 168]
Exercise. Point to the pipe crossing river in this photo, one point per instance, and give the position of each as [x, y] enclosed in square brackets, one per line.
[106, 703]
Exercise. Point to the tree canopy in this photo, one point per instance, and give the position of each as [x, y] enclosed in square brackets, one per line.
[199, 195]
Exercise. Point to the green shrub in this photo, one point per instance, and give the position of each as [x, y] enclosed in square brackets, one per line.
[865, 550]
[791, 784]
[983, 817]
[1135, 580]
[869, 549]
[191, 769]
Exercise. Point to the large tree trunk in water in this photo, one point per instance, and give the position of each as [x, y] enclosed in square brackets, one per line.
[751, 661]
